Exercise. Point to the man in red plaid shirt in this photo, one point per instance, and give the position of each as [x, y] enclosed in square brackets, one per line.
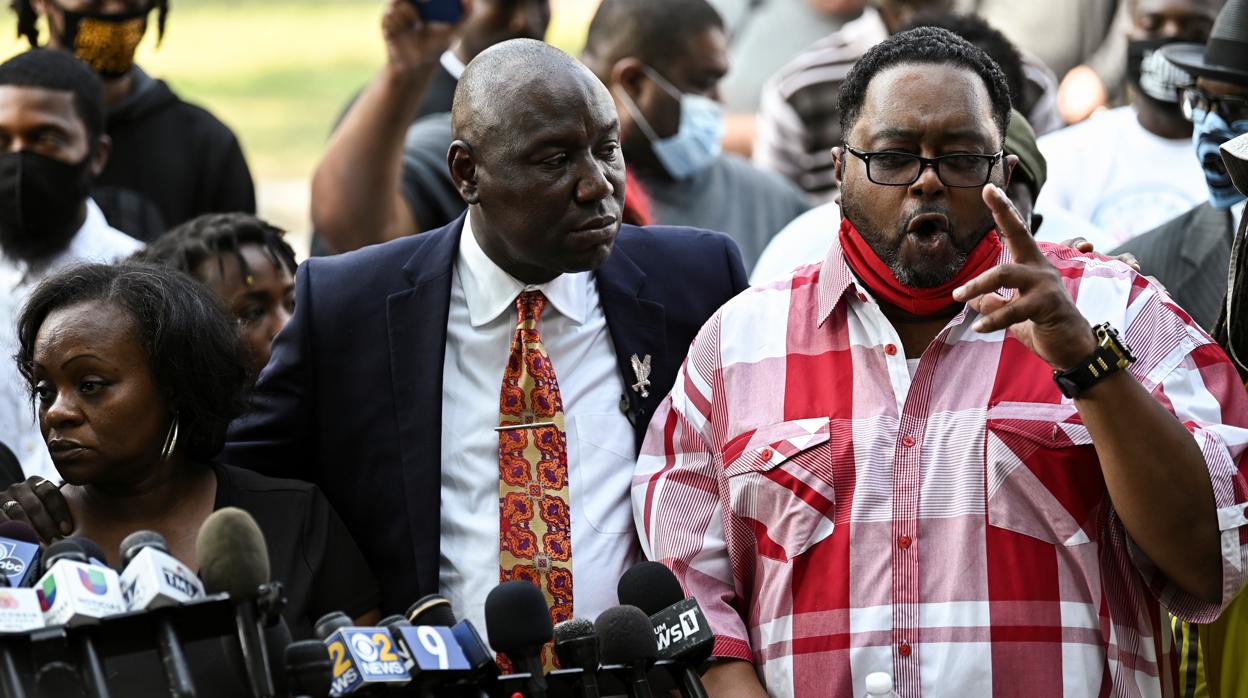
[979, 464]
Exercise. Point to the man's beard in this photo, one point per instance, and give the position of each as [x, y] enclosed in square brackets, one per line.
[889, 250]
[21, 245]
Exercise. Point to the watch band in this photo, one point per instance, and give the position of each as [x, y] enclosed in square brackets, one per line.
[1110, 357]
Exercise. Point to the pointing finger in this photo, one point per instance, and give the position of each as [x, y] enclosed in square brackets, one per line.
[1011, 226]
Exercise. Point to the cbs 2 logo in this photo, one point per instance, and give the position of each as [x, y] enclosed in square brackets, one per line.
[369, 648]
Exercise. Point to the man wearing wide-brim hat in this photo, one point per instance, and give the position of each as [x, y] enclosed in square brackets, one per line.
[1190, 254]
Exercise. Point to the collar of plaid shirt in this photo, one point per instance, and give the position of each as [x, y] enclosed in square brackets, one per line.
[877, 276]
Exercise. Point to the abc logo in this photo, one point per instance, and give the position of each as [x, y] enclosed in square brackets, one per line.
[364, 648]
[12, 566]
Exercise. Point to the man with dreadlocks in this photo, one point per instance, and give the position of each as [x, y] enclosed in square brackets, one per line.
[170, 160]
[245, 261]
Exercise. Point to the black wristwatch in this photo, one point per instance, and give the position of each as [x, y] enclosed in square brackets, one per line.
[1111, 356]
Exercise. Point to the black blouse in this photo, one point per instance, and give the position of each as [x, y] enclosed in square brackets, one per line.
[310, 551]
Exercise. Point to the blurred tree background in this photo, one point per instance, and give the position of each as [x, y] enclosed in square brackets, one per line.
[279, 72]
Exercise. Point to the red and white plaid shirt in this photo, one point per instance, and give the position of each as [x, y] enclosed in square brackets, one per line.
[836, 517]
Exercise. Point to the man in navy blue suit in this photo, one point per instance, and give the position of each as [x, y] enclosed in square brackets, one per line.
[385, 387]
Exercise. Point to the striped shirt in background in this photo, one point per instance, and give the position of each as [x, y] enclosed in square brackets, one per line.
[799, 120]
[836, 516]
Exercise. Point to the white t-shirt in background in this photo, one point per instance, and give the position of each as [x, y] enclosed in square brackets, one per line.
[1122, 179]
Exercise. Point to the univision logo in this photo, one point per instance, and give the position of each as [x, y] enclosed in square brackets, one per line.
[93, 581]
[47, 593]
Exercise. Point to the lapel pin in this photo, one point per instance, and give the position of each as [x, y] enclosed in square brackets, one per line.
[641, 369]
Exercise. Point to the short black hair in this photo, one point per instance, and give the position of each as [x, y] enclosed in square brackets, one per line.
[192, 347]
[60, 71]
[27, 19]
[650, 30]
[924, 45]
[214, 235]
[988, 38]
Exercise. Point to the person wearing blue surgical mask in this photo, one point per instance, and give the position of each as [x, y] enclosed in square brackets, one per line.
[1190, 253]
[663, 61]
[1219, 112]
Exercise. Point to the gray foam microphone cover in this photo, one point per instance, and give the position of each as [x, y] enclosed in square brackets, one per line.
[573, 629]
[232, 554]
[133, 543]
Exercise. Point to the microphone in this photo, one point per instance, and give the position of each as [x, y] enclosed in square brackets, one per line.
[19, 553]
[308, 669]
[95, 554]
[437, 610]
[73, 592]
[432, 609]
[362, 658]
[19, 612]
[517, 622]
[626, 640]
[393, 621]
[683, 635]
[233, 559]
[576, 646]
[153, 579]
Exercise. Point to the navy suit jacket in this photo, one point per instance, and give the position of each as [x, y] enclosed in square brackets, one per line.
[352, 396]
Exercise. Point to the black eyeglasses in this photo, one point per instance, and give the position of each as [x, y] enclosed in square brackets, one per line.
[895, 169]
[1197, 104]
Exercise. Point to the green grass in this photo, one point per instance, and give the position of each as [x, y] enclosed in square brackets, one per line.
[279, 72]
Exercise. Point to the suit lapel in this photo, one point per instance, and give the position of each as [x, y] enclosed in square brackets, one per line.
[638, 328]
[1209, 230]
[416, 321]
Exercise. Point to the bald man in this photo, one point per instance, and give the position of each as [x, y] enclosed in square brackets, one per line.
[458, 450]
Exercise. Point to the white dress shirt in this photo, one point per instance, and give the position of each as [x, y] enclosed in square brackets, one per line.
[601, 454]
[95, 241]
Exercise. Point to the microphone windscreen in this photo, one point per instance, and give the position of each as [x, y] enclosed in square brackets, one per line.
[517, 620]
[650, 586]
[66, 549]
[91, 549]
[306, 653]
[19, 530]
[432, 610]
[331, 622]
[232, 554]
[133, 543]
[573, 629]
[393, 621]
[625, 636]
[309, 670]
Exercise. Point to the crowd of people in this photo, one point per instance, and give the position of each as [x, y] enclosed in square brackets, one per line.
[906, 333]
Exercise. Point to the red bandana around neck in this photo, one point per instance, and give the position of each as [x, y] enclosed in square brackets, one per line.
[876, 275]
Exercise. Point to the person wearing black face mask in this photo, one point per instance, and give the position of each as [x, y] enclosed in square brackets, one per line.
[52, 148]
[171, 161]
[1130, 169]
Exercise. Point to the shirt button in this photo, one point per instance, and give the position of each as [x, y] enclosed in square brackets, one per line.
[904, 542]
[862, 296]
[905, 649]
[890, 349]
[907, 441]
[766, 453]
